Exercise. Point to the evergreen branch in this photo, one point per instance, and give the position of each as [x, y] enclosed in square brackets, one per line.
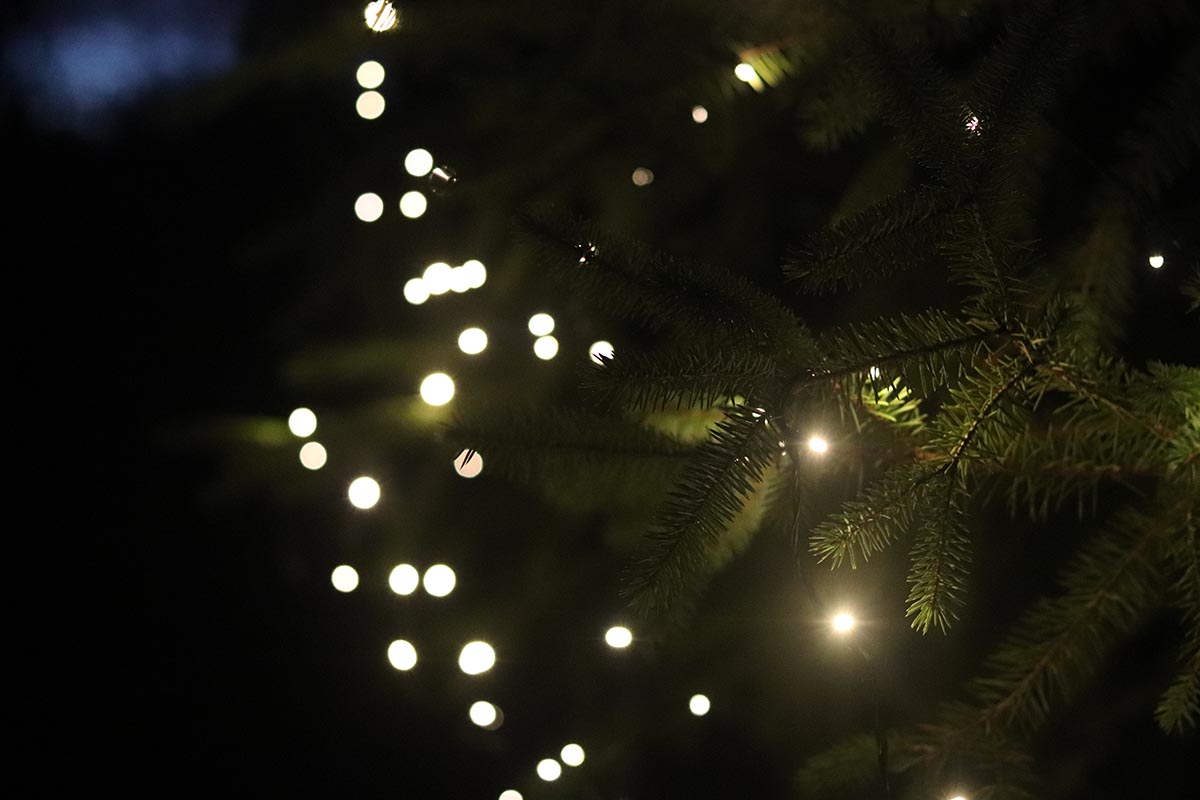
[690, 379]
[848, 765]
[940, 556]
[1179, 707]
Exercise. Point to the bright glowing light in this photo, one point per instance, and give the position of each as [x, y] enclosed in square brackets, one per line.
[975, 126]
[482, 713]
[460, 280]
[439, 580]
[572, 755]
[818, 445]
[599, 350]
[699, 705]
[344, 578]
[843, 622]
[874, 373]
[476, 271]
[402, 655]
[418, 162]
[699, 115]
[511, 794]
[745, 73]
[370, 74]
[437, 277]
[364, 492]
[368, 207]
[381, 15]
[313, 455]
[469, 469]
[437, 389]
[472, 341]
[541, 324]
[415, 291]
[618, 636]
[548, 769]
[370, 105]
[412, 204]
[404, 579]
[302, 422]
[958, 797]
[476, 657]
[545, 347]
[643, 176]
[1156, 261]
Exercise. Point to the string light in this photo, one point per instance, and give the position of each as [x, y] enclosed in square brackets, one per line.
[699, 705]
[472, 341]
[549, 770]
[368, 207]
[370, 74]
[476, 658]
[482, 713]
[510, 794]
[439, 580]
[370, 104]
[476, 272]
[460, 280]
[1156, 261]
[843, 622]
[437, 389]
[572, 755]
[643, 177]
[541, 324]
[402, 655]
[364, 492]
[344, 578]
[618, 636]
[381, 15]
[874, 373]
[415, 291]
[600, 350]
[403, 579]
[545, 347]
[468, 468]
[818, 445]
[413, 204]
[418, 162]
[437, 277]
[313, 455]
[745, 73]
[302, 422]
[699, 115]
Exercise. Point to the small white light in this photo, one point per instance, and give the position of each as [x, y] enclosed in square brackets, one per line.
[402, 655]
[874, 373]
[572, 755]
[370, 74]
[699, 705]
[699, 115]
[1156, 261]
[302, 422]
[344, 578]
[476, 272]
[745, 73]
[817, 444]
[418, 162]
[975, 126]
[381, 15]
[364, 492]
[600, 350]
[618, 636]
[313, 455]
[482, 713]
[415, 291]
[511, 794]
[439, 580]
[404, 579]
[545, 347]
[541, 324]
[412, 204]
[958, 797]
[460, 280]
[437, 389]
[370, 105]
[472, 341]
[437, 277]
[643, 177]
[476, 658]
[843, 622]
[368, 207]
[468, 469]
[549, 770]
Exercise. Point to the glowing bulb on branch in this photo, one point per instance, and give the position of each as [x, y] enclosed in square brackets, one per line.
[403, 579]
[370, 105]
[437, 389]
[618, 636]
[344, 578]
[313, 455]
[368, 207]
[412, 204]
[381, 15]
[476, 658]
[549, 770]
[843, 622]
[418, 162]
[439, 580]
[369, 74]
[402, 655]
[699, 705]
[468, 467]
[818, 445]
[600, 350]
[364, 492]
[302, 422]
[572, 755]
[1156, 261]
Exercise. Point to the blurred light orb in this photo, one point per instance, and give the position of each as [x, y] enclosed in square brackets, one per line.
[472, 341]
[415, 291]
[476, 272]
[437, 389]
[412, 204]
[364, 492]
[344, 578]
[370, 105]
[745, 73]
[643, 176]
[370, 74]
[313, 455]
[699, 705]
[843, 622]
[468, 469]
[958, 797]
[302, 422]
[368, 207]
[482, 713]
[818, 445]
[439, 580]
[404, 579]
[1156, 261]
[545, 347]
[618, 636]
[418, 162]
[381, 15]
[437, 277]
[699, 115]
[549, 770]
[476, 658]
[510, 794]
[460, 280]
[541, 324]
[572, 755]
[600, 350]
[402, 655]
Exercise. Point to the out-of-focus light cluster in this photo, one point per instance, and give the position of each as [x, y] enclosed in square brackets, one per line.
[468, 468]
[1156, 261]
[439, 580]
[600, 350]
[699, 115]
[437, 389]
[402, 655]
[440, 278]
[364, 492]
[344, 578]
[699, 705]
[418, 162]
[642, 177]
[413, 204]
[313, 455]
[381, 15]
[476, 658]
[370, 104]
[618, 636]
[368, 207]
[572, 755]
[302, 422]
[370, 74]
[404, 579]
[549, 770]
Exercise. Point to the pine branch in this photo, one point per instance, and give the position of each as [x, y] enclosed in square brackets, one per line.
[939, 564]
[1180, 705]
[671, 379]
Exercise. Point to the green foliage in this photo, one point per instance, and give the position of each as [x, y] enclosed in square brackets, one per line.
[649, 382]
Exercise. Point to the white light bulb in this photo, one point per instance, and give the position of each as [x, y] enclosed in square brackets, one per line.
[476, 658]
[818, 445]
[402, 655]
[549, 770]
[439, 580]
[541, 324]
[344, 578]
[313, 455]
[545, 347]
[302, 422]
[368, 207]
[843, 622]
[699, 705]
[415, 291]
[618, 636]
[412, 204]
[600, 350]
[572, 755]
[1156, 261]
[482, 713]
[370, 74]
[364, 492]
[699, 115]
[418, 162]
[472, 341]
[404, 579]
[370, 105]
[468, 468]
[437, 389]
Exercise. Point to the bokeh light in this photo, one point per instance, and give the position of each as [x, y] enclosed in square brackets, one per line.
[313, 455]
[381, 15]
[600, 350]
[302, 422]
[412, 204]
[460, 280]
[468, 469]
[1156, 261]
[402, 655]
[843, 622]
[510, 794]
[642, 177]
[549, 770]
[745, 73]
[618, 636]
[482, 713]
[363, 492]
[476, 658]
[437, 277]
[541, 324]
[699, 115]
[368, 207]
[370, 74]
[415, 291]
[344, 578]
[699, 705]
[472, 341]
[439, 580]
[545, 347]
[404, 579]
[437, 389]
[476, 272]
[370, 104]
[572, 755]
[418, 162]
[818, 445]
